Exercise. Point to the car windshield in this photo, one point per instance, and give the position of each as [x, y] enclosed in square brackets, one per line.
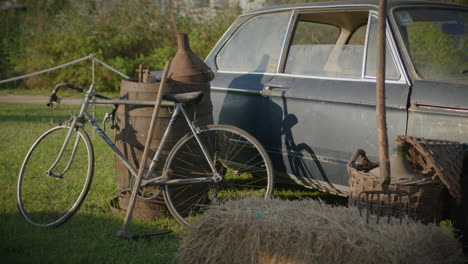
[437, 42]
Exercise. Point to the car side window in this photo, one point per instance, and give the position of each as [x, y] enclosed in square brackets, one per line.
[437, 41]
[320, 48]
[256, 45]
[359, 36]
[391, 71]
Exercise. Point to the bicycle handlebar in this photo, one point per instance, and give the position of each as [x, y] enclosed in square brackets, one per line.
[54, 98]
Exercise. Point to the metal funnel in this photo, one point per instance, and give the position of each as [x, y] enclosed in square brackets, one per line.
[186, 66]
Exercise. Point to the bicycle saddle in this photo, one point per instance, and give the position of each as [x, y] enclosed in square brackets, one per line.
[192, 97]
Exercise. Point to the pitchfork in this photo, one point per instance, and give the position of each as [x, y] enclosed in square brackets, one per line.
[366, 199]
[389, 202]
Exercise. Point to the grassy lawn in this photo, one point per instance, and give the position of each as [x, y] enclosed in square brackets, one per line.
[89, 236]
[16, 91]
[45, 92]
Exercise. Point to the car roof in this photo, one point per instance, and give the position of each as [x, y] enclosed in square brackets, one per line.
[353, 3]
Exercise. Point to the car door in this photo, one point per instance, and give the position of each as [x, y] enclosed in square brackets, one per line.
[244, 61]
[325, 94]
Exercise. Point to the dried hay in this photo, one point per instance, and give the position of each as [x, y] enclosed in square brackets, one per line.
[276, 231]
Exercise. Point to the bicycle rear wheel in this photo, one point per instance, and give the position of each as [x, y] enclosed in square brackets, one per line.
[49, 196]
[240, 160]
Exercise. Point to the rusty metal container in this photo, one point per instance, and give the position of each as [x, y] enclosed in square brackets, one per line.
[132, 125]
[187, 67]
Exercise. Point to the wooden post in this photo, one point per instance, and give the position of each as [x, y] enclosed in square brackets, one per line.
[384, 162]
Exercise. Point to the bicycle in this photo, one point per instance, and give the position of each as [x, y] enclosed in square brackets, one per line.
[209, 165]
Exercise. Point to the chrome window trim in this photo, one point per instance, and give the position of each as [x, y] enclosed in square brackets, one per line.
[294, 11]
[246, 72]
[309, 7]
[215, 59]
[219, 42]
[340, 79]
[403, 78]
[366, 41]
[287, 36]
[314, 77]
[390, 43]
[403, 46]
[235, 90]
[438, 110]
[396, 56]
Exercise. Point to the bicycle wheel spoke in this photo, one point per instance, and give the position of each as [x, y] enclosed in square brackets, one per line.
[242, 163]
[188, 203]
[247, 186]
[233, 148]
[256, 167]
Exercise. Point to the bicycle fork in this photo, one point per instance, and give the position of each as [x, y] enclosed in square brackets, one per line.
[67, 138]
[50, 172]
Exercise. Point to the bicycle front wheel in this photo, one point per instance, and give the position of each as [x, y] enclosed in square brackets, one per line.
[241, 161]
[51, 188]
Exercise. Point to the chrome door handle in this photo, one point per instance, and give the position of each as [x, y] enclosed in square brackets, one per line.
[274, 90]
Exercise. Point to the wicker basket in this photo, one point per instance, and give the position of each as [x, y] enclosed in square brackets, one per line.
[438, 165]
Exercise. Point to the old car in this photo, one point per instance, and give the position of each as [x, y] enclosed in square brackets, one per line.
[301, 78]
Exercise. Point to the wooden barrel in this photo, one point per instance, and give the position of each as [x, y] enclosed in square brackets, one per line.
[132, 127]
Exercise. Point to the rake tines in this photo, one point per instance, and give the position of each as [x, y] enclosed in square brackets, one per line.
[390, 203]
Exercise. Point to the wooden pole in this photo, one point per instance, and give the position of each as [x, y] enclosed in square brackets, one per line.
[123, 232]
[380, 99]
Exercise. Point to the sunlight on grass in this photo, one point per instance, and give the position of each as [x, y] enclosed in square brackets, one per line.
[232, 175]
[233, 194]
[89, 236]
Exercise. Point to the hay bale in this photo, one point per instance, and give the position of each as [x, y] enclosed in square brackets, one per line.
[276, 231]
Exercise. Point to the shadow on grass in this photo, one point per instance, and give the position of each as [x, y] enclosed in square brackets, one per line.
[84, 239]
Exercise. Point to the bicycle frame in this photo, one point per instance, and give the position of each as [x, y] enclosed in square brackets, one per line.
[83, 115]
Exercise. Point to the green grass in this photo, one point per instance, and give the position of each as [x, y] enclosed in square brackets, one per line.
[88, 237]
[46, 92]
[21, 91]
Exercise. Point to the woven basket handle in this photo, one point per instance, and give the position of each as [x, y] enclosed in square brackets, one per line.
[364, 159]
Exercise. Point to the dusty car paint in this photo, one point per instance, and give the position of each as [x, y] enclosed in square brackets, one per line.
[311, 125]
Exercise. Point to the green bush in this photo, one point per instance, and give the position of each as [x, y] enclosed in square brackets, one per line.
[123, 34]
